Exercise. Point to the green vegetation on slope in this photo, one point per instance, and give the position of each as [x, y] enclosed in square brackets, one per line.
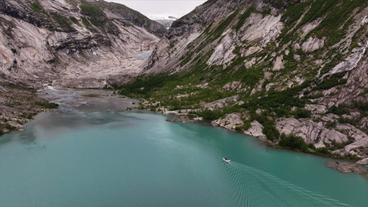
[294, 143]
[62, 21]
[244, 17]
[330, 82]
[335, 16]
[36, 6]
[96, 18]
[95, 14]
[264, 94]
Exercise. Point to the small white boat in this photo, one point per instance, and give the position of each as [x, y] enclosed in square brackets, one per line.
[226, 160]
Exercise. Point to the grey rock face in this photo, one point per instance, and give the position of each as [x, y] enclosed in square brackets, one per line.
[219, 104]
[18, 104]
[230, 121]
[346, 167]
[202, 16]
[256, 130]
[312, 44]
[311, 132]
[78, 44]
[58, 42]
[123, 13]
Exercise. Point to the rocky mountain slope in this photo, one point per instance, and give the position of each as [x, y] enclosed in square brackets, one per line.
[69, 43]
[293, 73]
[167, 22]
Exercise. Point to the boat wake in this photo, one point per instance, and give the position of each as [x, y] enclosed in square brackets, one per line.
[254, 187]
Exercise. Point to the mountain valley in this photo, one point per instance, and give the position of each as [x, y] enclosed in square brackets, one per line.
[292, 73]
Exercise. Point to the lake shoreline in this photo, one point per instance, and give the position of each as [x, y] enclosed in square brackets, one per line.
[65, 99]
[91, 100]
[92, 152]
[340, 164]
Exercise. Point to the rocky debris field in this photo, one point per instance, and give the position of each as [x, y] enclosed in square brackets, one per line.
[18, 105]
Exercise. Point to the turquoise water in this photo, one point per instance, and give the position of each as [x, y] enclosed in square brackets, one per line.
[109, 159]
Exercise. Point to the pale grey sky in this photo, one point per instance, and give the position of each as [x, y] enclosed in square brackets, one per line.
[156, 9]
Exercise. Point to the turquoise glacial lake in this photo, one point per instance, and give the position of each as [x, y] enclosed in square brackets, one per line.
[113, 159]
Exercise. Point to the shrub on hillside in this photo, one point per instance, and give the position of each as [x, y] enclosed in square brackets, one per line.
[293, 142]
[95, 14]
[210, 115]
[36, 7]
[302, 113]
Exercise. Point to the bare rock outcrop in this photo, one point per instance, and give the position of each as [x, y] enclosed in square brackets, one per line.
[352, 141]
[256, 130]
[262, 28]
[223, 53]
[311, 132]
[57, 40]
[232, 86]
[278, 64]
[347, 167]
[359, 144]
[312, 44]
[219, 104]
[230, 122]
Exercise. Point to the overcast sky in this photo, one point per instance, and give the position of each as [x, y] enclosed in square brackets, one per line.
[156, 9]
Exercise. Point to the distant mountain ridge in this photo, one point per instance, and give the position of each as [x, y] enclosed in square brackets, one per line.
[167, 22]
[123, 12]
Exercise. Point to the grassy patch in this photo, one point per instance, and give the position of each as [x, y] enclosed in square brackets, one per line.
[210, 115]
[294, 13]
[249, 77]
[62, 21]
[220, 29]
[145, 85]
[87, 23]
[338, 110]
[74, 20]
[302, 113]
[330, 82]
[37, 7]
[361, 106]
[337, 17]
[335, 58]
[279, 102]
[270, 130]
[269, 126]
[47, 105]
[318, 9]
[95, 14]
[252, 76]
[244, 17]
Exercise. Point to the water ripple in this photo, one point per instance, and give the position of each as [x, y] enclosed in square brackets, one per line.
[254, 187]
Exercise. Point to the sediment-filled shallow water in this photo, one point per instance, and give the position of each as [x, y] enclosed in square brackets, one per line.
[115, 159]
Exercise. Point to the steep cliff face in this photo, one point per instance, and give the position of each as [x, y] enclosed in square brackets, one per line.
[119, 11]
[71, 43]
[186, 29]
[298, 69]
